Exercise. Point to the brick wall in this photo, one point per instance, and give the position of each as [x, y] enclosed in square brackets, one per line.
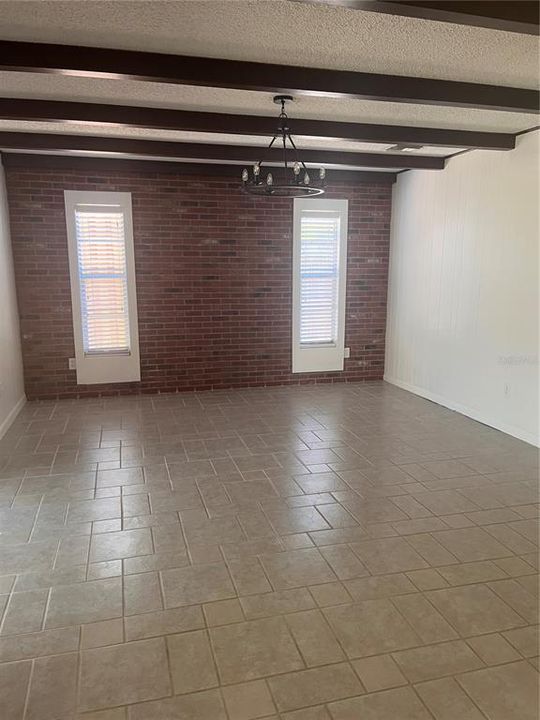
[213, 281]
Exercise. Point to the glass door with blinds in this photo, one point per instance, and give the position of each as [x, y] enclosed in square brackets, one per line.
[100, 241]
[319, 277]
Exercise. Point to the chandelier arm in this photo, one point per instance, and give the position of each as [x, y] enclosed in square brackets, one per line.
[270, 145]
[285, 154]
[298, 159]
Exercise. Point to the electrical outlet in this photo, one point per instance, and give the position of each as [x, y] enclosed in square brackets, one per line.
[347, 353]
[72, 364]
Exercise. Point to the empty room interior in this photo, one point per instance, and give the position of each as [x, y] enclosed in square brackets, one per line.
[269, 377]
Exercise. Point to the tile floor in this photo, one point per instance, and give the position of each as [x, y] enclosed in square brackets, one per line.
[313, 553]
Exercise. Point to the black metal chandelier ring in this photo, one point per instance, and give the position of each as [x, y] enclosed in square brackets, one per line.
[291, 184]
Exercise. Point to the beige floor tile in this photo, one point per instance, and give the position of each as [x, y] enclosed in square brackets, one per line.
[526, 640]
[388, 555]
[507, 692]
[127, 543]
[296, 520]
[379, 672]
[515, 595]
[14, 679]
[447, 701]
[248, 701]
[312, 713]
[429, 579]
[276, 603]
[53, 688]
[248, 576]
[28, 557]
[89, 510]
[336, 515]
[251, 650]
[472, 572]
[100, 571]
[122, 674]
[514, 566]
[191, 662]
[24, 612]
[370, 627]
[196, 584]
[197, 706]
[469, 544]
[474, 609]
[428, 623]
[84, 603]
[435, 661]
[113, 478]
[350, 541]
[314, 638]
[420, 525]
[343, 562]
[371, 588]
[296, 541]
[400, 703]
[107, 632]
[155, 562]
[313, 687]
[431, 550]
[166, 622]
[297, 568]
[445, 502]
[223, 612]
[48, 642]
[494, 649]
[330, 594]
[142, 593]
[114, 714]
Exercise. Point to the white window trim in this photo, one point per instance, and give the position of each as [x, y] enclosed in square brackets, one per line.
[327, 357]
[93, 369]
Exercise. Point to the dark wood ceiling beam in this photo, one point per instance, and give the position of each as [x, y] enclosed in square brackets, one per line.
[55, 162]
[207, 151]
[262, 77]
[519, 16]
[121, 116]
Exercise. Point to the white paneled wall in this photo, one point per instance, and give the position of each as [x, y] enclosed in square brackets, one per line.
[11, 372]
[463, 309]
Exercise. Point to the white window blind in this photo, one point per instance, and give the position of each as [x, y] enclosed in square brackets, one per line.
[319, 262]
[319, 277]
[101, 255]
[103, 292]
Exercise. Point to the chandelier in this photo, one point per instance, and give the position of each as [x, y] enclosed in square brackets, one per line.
[293, 180]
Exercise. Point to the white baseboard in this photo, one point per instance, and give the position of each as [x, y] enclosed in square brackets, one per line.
[516, 432]
[15, 410]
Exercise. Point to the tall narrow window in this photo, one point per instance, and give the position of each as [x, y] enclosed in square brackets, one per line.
[319, 267]
[100, 241]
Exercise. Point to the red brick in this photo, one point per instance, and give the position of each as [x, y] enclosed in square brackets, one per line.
[213, 282]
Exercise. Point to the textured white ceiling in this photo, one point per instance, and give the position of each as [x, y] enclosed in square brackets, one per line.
[200, 137]
[188, 97]
[275, 31]
[282, 32]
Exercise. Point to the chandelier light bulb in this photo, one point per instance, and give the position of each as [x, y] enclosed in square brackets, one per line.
[245, 175]
[269, 179]
[322, 173]
[256, 169]
[296, 168]
[306, 179]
